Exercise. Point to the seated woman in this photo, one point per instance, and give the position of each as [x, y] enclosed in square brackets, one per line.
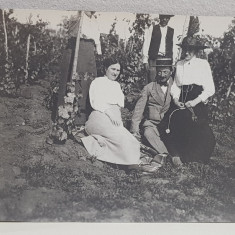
[108, 139]
[188, 124]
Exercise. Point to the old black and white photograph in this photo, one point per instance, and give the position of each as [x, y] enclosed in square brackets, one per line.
[116, 117]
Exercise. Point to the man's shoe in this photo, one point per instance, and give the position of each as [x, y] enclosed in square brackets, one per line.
[149, 168]
[145, 159]
[176, 161]
[160, 158]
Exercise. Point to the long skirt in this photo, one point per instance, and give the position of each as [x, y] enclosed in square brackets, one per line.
[191, 138]
[110, 143]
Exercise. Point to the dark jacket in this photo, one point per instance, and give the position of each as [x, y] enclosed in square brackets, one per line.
[156, 40]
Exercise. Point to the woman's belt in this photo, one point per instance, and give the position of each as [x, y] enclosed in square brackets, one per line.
[190, 92]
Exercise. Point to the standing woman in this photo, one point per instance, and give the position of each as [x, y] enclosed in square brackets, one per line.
[108, 139]
[193, 85]
[89, 46]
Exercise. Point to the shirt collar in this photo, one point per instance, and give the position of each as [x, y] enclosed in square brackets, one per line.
[165, 27]
[190, 61]
[166, 83]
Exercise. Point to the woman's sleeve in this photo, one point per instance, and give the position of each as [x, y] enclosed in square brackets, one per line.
[146, 44]
[120, 97]
[97, 96]
[97, 37]
[206, 82]
[175, 89]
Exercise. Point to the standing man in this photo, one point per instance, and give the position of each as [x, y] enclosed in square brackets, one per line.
[158, 43]
[153, 104]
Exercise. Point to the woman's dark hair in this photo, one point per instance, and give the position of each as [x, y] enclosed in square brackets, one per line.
[111, 60]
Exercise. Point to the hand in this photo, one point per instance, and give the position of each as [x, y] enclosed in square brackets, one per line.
[137, 135]
[192, 103]
[179, 104]
[146, 66]
[114, 115]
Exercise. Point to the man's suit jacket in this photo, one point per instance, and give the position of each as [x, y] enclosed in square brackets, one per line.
[153, 103]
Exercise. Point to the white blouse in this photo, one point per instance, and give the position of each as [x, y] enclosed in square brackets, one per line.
[196, 71]
[104, 93]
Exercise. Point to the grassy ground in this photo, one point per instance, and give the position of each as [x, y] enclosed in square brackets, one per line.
[41, 182]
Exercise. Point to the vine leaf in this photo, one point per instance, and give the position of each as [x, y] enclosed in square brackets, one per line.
[63, 112]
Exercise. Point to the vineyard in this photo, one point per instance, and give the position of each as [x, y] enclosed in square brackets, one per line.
[47, 175]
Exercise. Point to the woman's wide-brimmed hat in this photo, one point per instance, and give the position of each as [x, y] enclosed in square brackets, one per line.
[192, 43]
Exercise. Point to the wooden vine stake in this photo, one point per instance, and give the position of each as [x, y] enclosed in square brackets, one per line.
[67, 110]
[27, 59]
[5, 34]
[184, 34]
[74, 71]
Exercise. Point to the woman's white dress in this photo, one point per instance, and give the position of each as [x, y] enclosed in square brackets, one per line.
[192, 136]
[107, 142]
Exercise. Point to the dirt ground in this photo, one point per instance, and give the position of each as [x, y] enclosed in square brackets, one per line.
[43, 182]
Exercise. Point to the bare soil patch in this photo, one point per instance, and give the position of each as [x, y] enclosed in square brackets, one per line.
[42, 182]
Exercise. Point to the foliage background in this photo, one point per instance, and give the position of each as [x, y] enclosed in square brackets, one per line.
[51, 182]
[46, 48]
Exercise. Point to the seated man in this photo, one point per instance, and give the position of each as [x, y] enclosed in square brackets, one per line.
[153, 104]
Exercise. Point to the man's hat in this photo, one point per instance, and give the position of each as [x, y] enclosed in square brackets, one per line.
[163, 62]
[192, 43]
[168, 16]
